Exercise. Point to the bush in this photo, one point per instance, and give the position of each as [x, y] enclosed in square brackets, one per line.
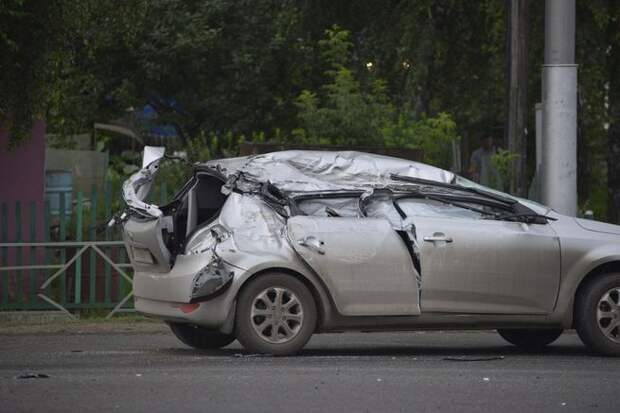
[348, 112]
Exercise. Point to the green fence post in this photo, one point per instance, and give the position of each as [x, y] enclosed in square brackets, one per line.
[120, 258]
[92, 234]
[107, 205]
[121, 280]
[32, 276]
[46, 238]
[19, 284]
[62, 236]
[122, 283]
[5, 256]
[78, 263]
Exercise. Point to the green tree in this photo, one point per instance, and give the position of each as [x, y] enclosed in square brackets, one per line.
[346, 111]
[27, 35]
[217, 66]
[60, 60]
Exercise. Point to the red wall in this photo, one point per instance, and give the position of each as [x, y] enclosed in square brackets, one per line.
[22, 174]
[22, 178]
[22, 170]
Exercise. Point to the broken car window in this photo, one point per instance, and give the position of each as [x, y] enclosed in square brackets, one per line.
[344, 207]
[433, 208]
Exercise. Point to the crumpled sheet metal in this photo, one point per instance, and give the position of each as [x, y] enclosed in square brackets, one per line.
[255, 227]
[306, 171]
[136, 188]
[215, 275]
[251, 230]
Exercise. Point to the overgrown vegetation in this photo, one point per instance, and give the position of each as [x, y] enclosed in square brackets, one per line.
[418, 73]
[502, 162]
[345, 111]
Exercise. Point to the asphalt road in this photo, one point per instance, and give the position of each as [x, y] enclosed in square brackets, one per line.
[356, 372]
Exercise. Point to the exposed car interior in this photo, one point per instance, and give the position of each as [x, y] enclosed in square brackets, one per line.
[196, 205]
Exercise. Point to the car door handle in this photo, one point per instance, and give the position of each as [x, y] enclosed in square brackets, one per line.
[438, 237]
[312, 243]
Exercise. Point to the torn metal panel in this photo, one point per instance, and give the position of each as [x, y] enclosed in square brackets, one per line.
[256, 228]
[137, 187]
[246, 231]
[382, 206]
[212, 278]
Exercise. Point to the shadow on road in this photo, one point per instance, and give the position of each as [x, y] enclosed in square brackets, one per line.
[485, 352]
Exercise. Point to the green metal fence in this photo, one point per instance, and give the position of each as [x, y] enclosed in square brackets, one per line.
[64, 261]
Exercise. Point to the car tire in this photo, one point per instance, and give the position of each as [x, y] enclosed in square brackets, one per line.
[597, 314]
[200, 337]
[276, 314]
[530, 339]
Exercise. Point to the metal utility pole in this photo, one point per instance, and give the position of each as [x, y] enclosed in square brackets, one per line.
[535, 190]
[559, 158]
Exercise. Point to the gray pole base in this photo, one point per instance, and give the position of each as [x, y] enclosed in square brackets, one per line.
[559, 161]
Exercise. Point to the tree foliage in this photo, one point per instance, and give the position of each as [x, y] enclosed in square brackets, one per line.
[392, 72]
[347, 111]
[62, 60]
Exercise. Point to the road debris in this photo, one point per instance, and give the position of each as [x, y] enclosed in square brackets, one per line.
[241, 355]
[32, 376]
[458, 358]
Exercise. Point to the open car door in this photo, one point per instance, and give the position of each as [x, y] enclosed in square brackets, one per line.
[365, 264]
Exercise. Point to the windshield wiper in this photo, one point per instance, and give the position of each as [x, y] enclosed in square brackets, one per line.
[530, 218]
[428, 182]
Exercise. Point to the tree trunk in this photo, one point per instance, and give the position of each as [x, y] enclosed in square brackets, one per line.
[613, 133]
[518, 15]
[423, 97]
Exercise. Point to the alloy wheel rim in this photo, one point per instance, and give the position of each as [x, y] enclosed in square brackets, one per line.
[608, 314]
[277, 315]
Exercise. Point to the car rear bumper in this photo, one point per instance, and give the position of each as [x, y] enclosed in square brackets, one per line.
[166, 295]
[212, 314]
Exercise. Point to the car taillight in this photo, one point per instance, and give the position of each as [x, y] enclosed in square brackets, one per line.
[188, 308]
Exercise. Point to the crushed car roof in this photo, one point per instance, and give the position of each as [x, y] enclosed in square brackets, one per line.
[301, 171]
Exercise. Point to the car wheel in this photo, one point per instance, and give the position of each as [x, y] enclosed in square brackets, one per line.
[200, 337]
[529, 338]
[597, 314]
[276, 314]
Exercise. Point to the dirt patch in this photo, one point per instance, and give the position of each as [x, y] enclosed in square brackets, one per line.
[125, 325]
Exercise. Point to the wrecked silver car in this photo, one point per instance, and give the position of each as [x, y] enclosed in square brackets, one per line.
[269, 249]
